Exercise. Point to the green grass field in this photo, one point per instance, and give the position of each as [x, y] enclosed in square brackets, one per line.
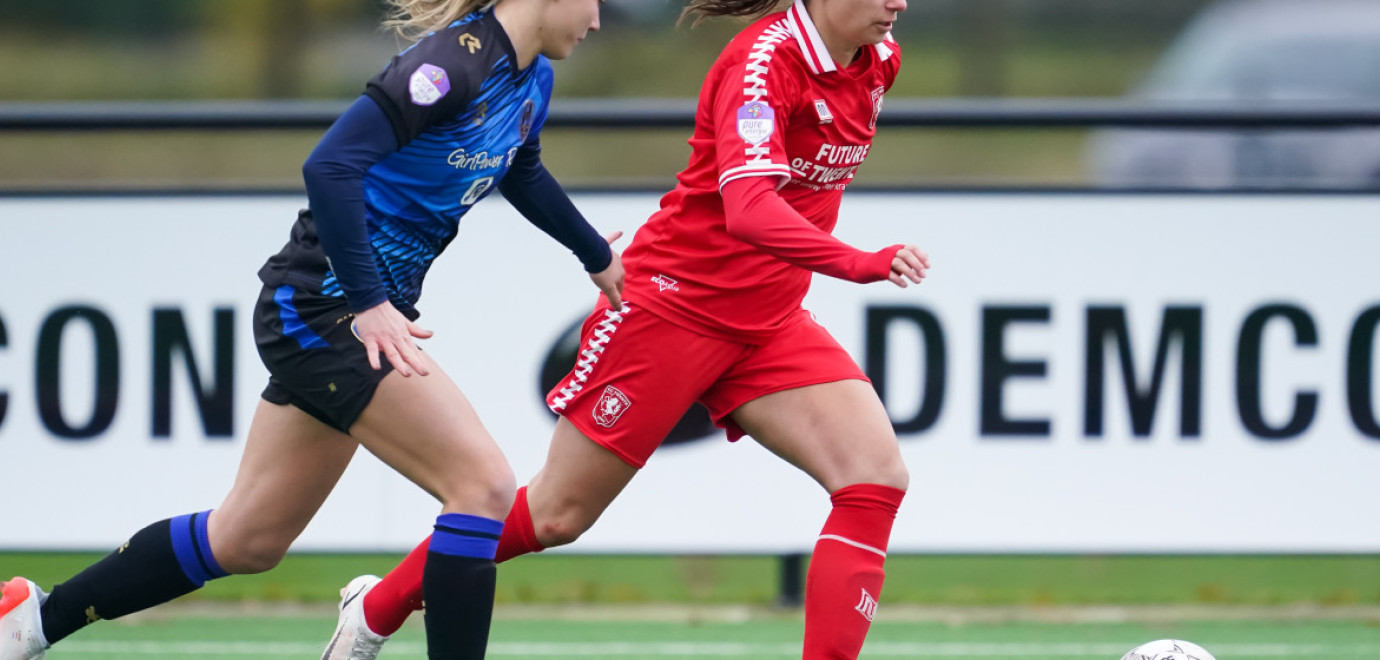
[630, 634]
[645, 607]
[957, 580]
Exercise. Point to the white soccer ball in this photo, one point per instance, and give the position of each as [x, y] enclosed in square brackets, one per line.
[1168, 649]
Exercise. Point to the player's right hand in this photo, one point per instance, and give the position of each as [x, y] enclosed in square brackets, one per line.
[910, 265]
[384, 330]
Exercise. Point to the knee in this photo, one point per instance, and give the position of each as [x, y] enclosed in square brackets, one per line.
[245, 556]
[562, 521]
[885, 468]
[560, 530]
[895, 475]
[488, 492]
[891, 471]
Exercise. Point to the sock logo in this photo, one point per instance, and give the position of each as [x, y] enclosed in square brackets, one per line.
[867, 605]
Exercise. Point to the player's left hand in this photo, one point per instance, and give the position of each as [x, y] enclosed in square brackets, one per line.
[610, 280]
[910, 265]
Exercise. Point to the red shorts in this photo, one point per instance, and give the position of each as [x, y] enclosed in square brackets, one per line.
[637, 374]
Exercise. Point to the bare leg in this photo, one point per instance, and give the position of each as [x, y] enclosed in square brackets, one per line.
[290, 464]
[839, 434]
[425, 428]
[574, 488]
[578, 482]
[291, 461]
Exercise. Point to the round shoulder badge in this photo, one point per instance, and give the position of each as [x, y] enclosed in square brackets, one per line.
[756, 121]
[428, 84]
[529, 112]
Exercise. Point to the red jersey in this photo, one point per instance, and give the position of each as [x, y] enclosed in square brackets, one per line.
[773, 105]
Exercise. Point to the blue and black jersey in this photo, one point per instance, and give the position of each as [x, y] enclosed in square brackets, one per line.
[435, 132]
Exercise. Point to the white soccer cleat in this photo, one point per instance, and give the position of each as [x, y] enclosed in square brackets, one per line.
[21, 632]
[353, 640]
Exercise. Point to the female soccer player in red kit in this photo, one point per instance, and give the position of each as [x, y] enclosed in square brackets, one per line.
[712, 313]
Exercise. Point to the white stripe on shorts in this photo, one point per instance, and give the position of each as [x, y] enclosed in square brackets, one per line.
[588, 357]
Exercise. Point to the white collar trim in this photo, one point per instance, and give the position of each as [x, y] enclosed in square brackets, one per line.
[812, 45]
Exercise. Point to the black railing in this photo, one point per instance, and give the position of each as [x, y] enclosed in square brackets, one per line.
[678, 113]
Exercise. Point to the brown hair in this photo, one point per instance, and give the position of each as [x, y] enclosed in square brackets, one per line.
[751, 8]
[413, 19]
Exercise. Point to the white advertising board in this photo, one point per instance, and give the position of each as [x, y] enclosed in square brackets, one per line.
[1081, 373]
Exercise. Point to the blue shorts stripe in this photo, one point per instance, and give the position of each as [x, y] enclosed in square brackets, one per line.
[293, 325]
[462, 535]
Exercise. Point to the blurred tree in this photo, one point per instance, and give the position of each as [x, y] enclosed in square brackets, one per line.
[984, 41]
[269, 37]
[101, 16]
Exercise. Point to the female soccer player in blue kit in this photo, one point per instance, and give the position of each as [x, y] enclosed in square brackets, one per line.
[446, 122]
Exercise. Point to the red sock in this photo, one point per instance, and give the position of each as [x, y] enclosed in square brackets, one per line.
[399, 594]
[519, 534]
[845, 577]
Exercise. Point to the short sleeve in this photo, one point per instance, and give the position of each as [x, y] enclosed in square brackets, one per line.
[752, 105]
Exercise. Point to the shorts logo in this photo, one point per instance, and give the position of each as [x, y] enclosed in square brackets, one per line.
[756, 121]
[867, 606]
[666, 283]
[612, 404]
[428, 84]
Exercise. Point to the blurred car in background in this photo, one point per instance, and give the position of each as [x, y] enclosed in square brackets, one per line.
[1256, 52]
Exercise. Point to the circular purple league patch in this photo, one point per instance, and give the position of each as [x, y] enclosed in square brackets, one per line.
[428, 84]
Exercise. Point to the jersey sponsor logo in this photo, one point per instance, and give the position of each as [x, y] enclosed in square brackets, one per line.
[876, 106]
[463, 160]
[832, 164]
[842, 154]
[470, 42]
[867, 606]
[428, 84]
[612, 404]
[529, 112]
[477, 190]
[756, 121]
[666, 283]
[825, 117]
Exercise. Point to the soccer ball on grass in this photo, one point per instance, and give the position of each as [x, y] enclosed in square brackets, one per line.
[1168, 649]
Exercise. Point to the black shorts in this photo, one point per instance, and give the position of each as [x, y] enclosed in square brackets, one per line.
[314, 360]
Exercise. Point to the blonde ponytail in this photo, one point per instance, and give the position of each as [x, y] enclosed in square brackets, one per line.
[413, 19]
